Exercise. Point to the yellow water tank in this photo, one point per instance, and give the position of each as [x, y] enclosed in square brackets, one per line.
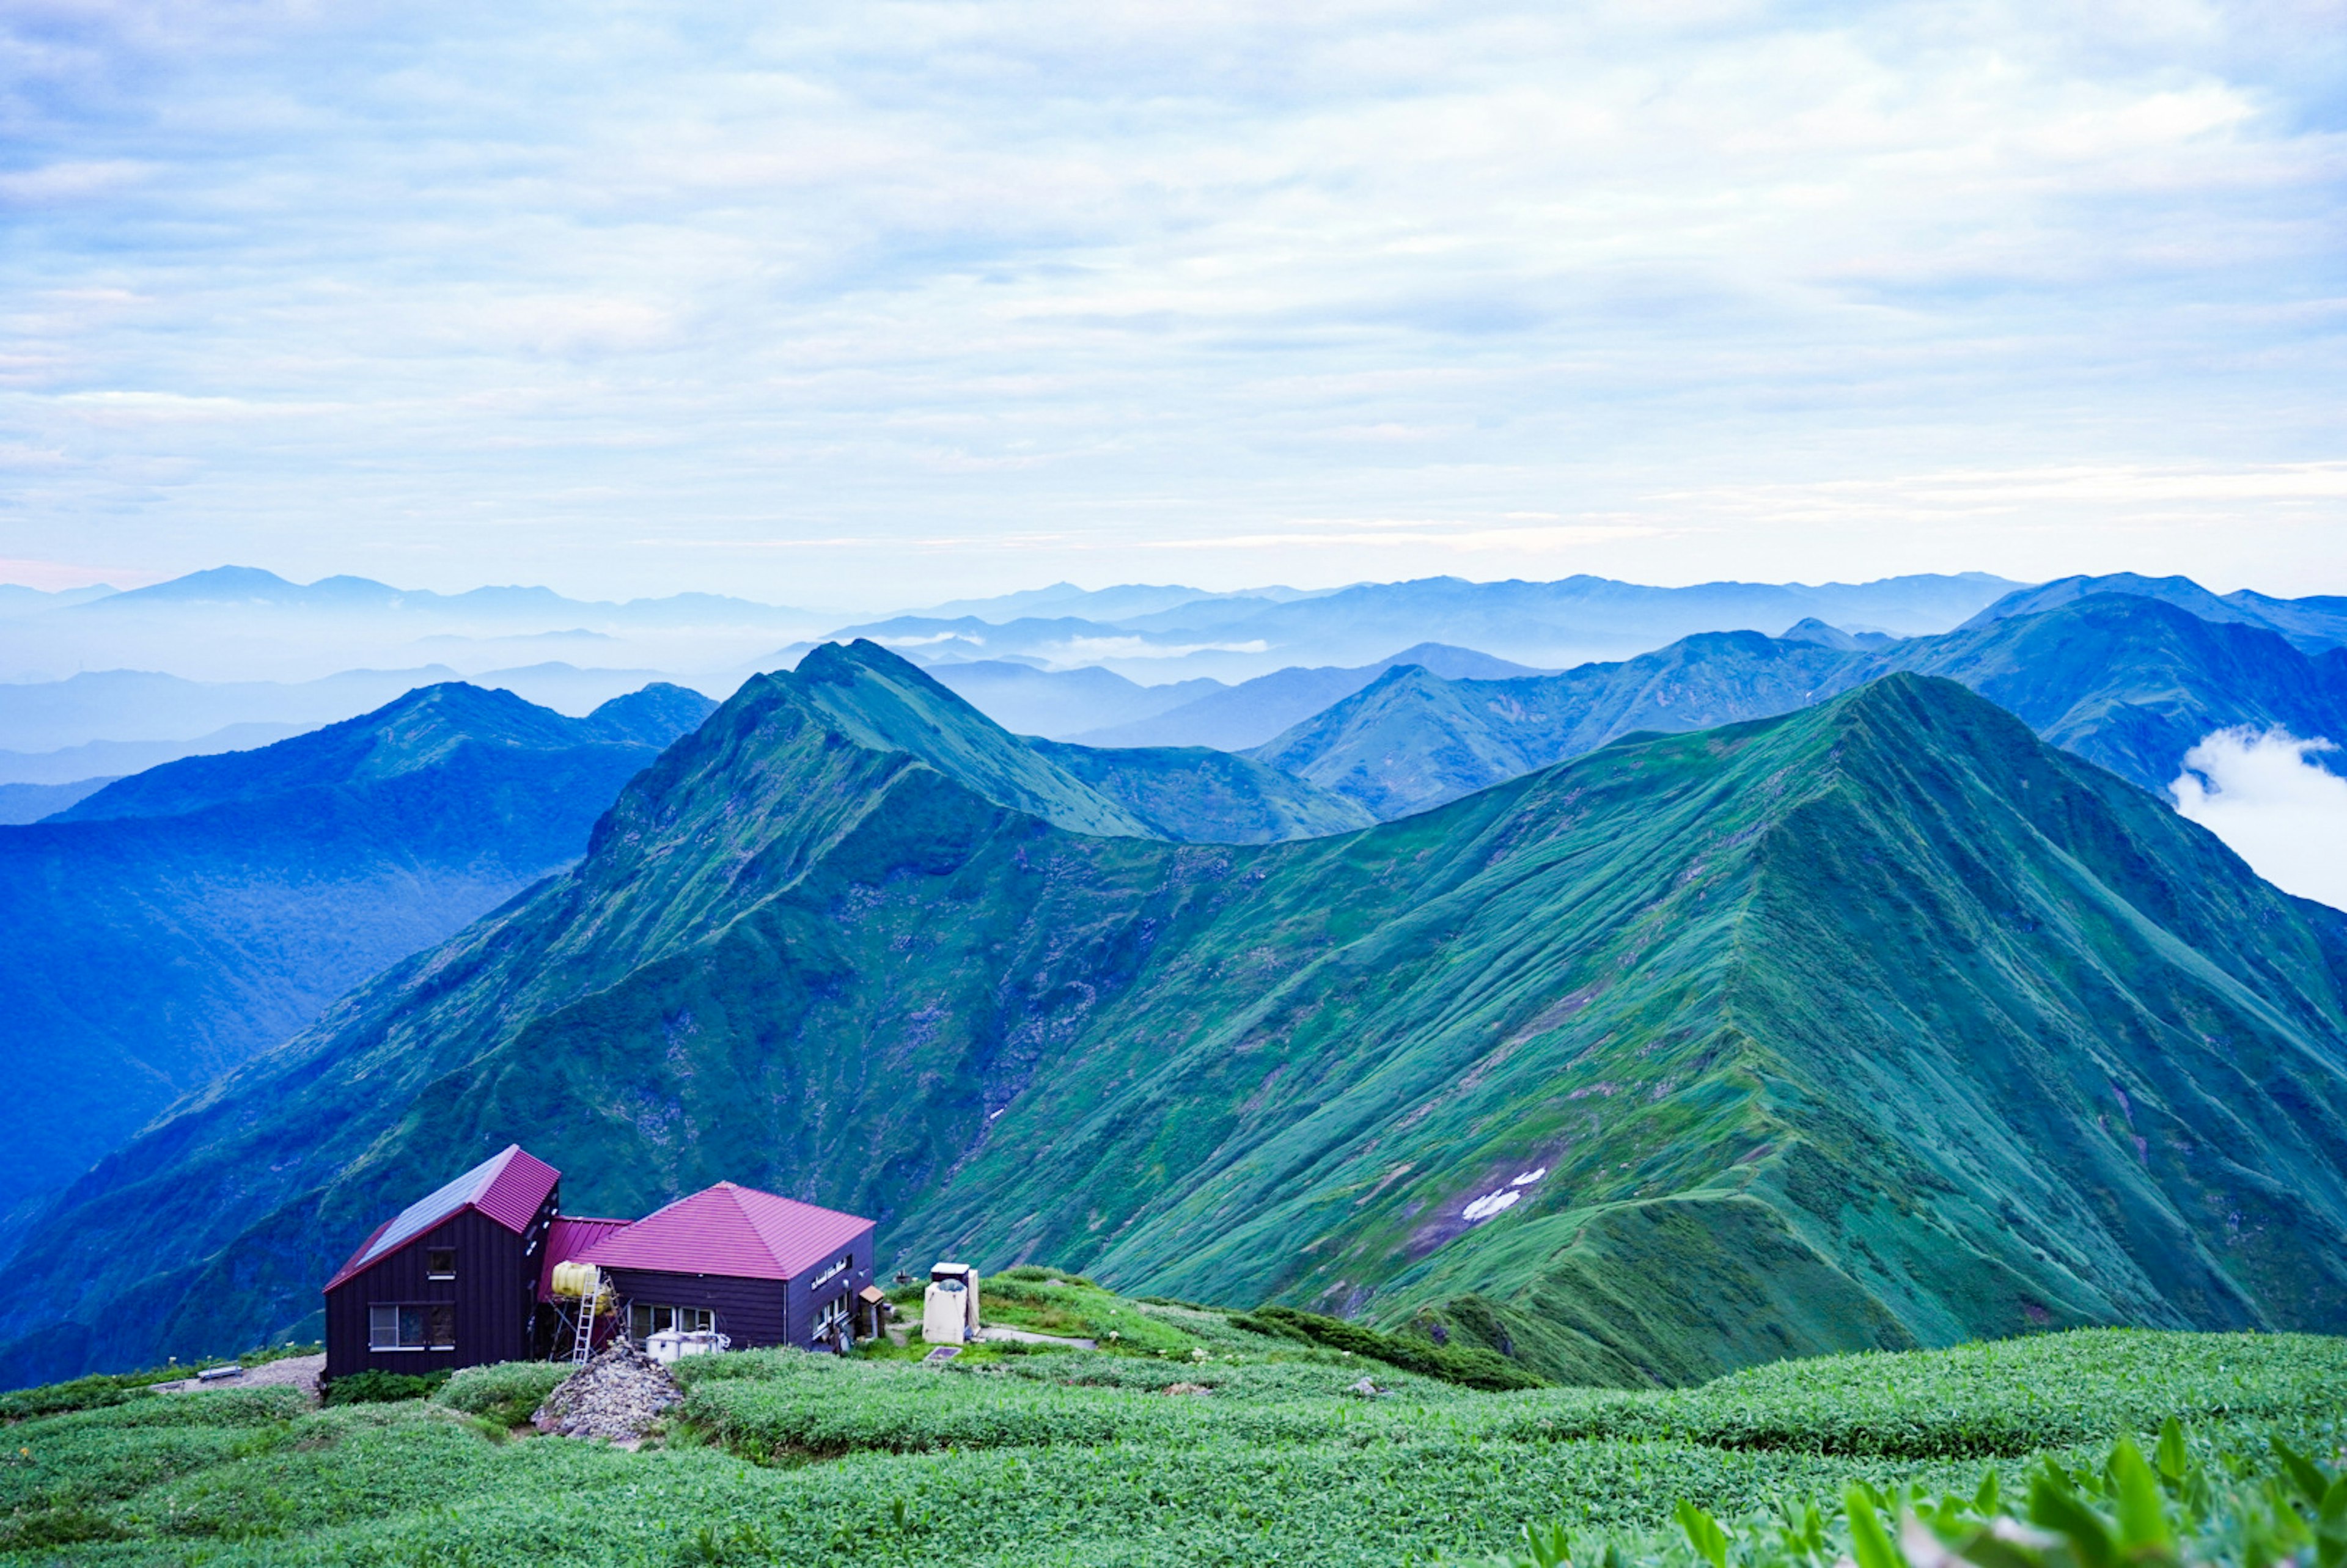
[574, 1278]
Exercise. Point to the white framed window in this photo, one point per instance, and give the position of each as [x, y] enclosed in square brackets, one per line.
[439, 1263]
[832, 1271]
[646, 1319]
[832, 1319]
[412, 1326]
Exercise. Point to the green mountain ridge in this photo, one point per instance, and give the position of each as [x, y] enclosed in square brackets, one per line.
[2127, 681]
[1876, 1024]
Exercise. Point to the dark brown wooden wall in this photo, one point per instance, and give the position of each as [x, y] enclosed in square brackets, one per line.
[749, 1311]
[495, 1293]
[806, 1299]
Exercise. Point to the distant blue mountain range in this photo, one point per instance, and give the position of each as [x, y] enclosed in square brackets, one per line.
[167, 926]
[2127, 680]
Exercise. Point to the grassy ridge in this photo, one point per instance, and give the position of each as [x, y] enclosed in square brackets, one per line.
[1878, 1026]
[1082, 1457]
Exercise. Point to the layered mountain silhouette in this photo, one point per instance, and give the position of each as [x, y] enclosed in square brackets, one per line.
[2127, 681]
[1877, 1023]
[169, 924]
[1254, 711]
[2314, 623]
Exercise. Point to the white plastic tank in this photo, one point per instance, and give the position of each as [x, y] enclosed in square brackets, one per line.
[950, 1306]
[671, 1345]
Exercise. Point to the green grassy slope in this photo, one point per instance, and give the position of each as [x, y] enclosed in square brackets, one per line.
[1205, 796]
[1084, 1458]
[2128, 682]
[880, 702]
[1878, 1024]
[171, 925]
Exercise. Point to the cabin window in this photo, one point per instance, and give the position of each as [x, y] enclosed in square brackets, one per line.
[440, 1263]
[846, 1261]
[644, 1320]
[832, 1320]
[423, 1325]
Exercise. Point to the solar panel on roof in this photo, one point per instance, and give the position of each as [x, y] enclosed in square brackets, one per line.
[434, 1207]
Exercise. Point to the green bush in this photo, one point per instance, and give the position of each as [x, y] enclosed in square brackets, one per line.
[373, 1388]
[90, 1393]
[1037, 1274]
[1470, 1367]
[507, 1394]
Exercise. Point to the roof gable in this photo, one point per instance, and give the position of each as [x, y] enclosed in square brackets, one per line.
[730, 1230]
[508, 1186]
[567, 1241]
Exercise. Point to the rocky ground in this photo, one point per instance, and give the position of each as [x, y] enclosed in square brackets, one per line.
[616, 1397]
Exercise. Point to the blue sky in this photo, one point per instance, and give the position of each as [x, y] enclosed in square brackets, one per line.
[874, 304]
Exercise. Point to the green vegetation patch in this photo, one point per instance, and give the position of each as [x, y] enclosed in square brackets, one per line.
[1060, 1301]
[507, 1394]
[373, 1388]
[1246, 1449]
[1473, 1367]
[2004, 1398]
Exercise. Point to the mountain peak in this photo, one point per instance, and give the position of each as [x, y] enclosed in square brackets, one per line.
[1882, 1013]
[411, 731]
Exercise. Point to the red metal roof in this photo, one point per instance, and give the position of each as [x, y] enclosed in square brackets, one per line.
[508, 1186]
[731, 1230]
[567, 1240]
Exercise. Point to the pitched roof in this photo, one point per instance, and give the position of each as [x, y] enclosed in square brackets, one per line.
[508, 1186]
[567, 1240]
[731, 1230]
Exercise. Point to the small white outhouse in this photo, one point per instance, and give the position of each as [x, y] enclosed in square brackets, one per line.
[950, 1306]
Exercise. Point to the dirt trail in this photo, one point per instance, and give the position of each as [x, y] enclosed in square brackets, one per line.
[301, 1372]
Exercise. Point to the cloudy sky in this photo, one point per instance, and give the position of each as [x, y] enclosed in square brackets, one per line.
[861, 304]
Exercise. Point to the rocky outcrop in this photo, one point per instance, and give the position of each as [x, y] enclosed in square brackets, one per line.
[617, 1396]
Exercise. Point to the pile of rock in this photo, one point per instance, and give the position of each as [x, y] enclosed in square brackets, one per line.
[617, 1396]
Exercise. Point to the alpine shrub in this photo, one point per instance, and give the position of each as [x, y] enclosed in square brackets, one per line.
[373, 1388]
[507, 1393]
[1473, 1368]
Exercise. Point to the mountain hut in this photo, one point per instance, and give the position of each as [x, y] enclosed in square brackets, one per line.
[468, 1275]
[452, 1279]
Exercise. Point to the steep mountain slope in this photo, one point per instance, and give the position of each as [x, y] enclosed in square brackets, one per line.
[169, 924]
[2128, 682]
[879, 701]
[2133, 683]
[1412, 739]
[1877, 1023]
[1201, 795]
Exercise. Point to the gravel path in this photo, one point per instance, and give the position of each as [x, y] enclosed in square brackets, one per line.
[301, 1372]
[995, 1331]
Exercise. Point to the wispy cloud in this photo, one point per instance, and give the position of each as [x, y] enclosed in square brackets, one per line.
[2274, 806]
[1729, 287]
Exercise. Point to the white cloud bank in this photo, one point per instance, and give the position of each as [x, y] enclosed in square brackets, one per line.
[844, 302]
[2273, 806]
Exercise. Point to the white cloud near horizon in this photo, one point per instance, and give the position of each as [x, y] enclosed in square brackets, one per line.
[2273, 806]
[451, 294]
